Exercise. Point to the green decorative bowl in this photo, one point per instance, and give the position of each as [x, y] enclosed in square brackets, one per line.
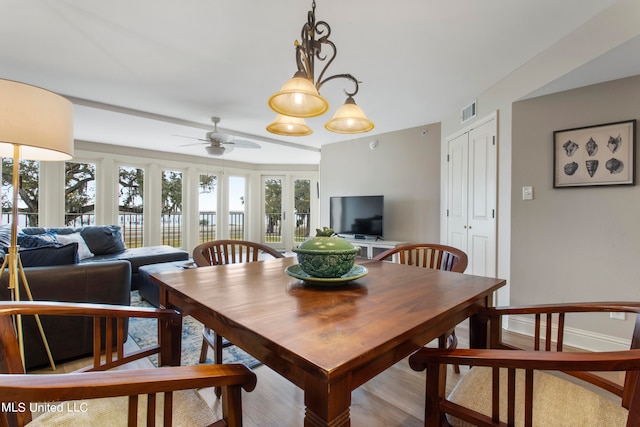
[326, 256]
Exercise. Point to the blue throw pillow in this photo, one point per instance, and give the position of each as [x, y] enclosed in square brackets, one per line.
[103, 239]
[5, 235]
[49, 255]
[43, 240]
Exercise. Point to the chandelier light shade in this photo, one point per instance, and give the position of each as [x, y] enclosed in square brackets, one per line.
[38, 121]
[349, 119]
[300, 97]
[289, 126]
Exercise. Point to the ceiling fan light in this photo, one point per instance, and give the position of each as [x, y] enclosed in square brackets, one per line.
[289, 126]
[299, 98]
[349, 119]
[215, 150]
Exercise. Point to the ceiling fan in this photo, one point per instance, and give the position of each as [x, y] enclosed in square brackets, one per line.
[219, 143]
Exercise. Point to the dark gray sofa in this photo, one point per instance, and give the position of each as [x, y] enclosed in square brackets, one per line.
[69, 337]
[87, 264]
[103, 243]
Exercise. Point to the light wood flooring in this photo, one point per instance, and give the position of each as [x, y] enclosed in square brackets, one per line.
[394, 398]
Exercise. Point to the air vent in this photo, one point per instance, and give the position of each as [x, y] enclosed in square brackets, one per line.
[468, 112]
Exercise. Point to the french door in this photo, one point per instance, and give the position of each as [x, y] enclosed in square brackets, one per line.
[287, 210]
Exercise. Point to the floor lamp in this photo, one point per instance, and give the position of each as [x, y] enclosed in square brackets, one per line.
[35, 124]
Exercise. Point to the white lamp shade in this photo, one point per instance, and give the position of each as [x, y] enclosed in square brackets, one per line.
[349, 119]
[216, 150]
[289, 126]
[39, 121]
[299, 98]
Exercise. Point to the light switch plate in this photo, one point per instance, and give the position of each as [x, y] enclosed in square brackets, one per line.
[527, 193]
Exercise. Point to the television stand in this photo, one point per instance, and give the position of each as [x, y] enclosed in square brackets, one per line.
[371, 248]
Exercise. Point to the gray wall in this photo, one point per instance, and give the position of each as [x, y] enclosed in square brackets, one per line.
[405, 168]
[572, 244]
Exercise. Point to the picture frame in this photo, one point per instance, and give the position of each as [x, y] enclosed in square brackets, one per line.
[598, 155]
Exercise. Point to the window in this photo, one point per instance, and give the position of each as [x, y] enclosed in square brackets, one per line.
[236, 207]
[80, 194]
[131, 205]
[171, 208]
[302, 209]
[273, 210]
[207, 208]
[27, 196]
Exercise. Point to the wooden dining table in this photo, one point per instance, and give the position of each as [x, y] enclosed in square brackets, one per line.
[328, 340]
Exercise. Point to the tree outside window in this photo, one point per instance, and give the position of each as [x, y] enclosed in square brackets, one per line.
[80, 194]
[131, 205]
[172, 208]
[27, 192]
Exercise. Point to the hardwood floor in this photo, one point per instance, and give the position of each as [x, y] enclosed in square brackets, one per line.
[395, 398]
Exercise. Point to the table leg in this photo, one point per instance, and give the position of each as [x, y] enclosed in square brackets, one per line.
[170, 338]
[327, 405]
[478, 328]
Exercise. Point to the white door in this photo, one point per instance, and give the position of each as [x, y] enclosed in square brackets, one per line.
[472, 197]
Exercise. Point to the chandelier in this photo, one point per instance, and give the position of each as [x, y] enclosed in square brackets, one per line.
[299, 98]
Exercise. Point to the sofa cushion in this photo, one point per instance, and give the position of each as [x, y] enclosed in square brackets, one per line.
[103, 239]
[49, 255]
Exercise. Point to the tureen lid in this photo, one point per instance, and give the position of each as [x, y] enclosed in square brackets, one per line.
[326, 240]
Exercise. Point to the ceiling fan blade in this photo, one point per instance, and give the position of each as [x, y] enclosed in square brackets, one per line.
[243, 144]
[195, 143]
[190, 137]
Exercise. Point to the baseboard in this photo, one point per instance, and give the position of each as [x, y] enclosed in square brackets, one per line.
[578, 338]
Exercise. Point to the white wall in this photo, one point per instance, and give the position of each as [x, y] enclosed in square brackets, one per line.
[573, 244]
[404, 168]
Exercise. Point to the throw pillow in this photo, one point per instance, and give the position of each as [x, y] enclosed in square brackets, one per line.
[83, 249]
[104, 239]
[29, 241]
[49, 255]
[5, 235]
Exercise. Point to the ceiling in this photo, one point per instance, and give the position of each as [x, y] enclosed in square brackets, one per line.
[150, 74]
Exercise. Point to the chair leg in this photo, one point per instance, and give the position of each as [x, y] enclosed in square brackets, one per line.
[452, 343]
[206, 342]
[215, 341]
[217, 356]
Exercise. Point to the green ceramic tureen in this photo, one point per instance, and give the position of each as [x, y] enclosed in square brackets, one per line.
[326, 255]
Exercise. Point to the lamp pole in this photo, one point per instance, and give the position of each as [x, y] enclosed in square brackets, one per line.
[16, 271]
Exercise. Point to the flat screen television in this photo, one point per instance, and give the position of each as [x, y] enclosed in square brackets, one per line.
[362, 216]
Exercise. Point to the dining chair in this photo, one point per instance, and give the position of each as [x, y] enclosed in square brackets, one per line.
[218, 252]
[541, 381]
[435, 256]
[103, 395]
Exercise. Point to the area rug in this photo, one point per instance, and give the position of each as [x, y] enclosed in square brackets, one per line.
[144, 333]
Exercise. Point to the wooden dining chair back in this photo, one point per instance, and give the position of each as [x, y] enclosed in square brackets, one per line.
[427, 255]
[115, 397]
[218, 252]
[434, 256]
[537, 379]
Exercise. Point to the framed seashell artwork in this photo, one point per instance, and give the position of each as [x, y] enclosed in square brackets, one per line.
[595, 155]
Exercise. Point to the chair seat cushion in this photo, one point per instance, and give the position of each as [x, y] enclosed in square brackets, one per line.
[557, 402]
[189, 410]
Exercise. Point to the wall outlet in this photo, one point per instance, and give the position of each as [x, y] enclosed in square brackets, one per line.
[618, 315]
